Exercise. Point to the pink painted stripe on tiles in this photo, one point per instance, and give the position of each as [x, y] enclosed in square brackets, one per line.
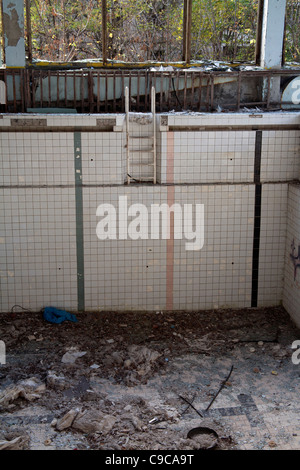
[170, 240]
[170, 157]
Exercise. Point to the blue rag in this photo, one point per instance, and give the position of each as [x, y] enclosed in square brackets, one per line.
[53, 315]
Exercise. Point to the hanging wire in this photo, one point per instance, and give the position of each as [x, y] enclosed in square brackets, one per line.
[19, 306]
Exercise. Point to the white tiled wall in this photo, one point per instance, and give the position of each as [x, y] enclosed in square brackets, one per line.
[102, 157]
[38, 248]
[219, 275]
[280, 155]
[210, 167]
[123, 274]
[291, 296]
[210, 157]
[134, 274]
[36, 158]
[272, 243]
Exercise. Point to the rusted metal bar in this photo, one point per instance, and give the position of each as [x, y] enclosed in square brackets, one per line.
[146, 88]
[207, 93]
[66, 90]
[200, 91]
[33, 88]
[41, 90]
[153, 111]
[6, 92]
[98, 92]
[268, 90]
[3, 77]
[14, 90]
[90, 91]
[49, 88]
[184, 91]
[169, 91]
[106, 92]
[253, 103]
[153, 85]
[27, 90]
[258, 73]
[138, 91]
[57, 89]
[122, 91]
[149, 91]
[239, 91]
[177, 89]
[22, 89]
[129, 86]
[82, 93]
[114, 93]
[127, 133]
[220, 388]
[193, 90]
[74, 91]
[190, 404]
[212, 90]
[161, 91]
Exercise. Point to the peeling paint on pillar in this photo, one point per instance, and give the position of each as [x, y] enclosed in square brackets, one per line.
[13, 28]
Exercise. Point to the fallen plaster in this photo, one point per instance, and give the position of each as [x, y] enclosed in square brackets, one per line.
[143, 381]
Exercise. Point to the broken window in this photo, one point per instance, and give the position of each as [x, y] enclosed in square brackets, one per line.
[292, 31]
[136, 31]
[139, 31]
[224, 30]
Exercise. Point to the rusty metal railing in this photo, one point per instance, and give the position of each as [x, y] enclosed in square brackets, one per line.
[103, 91]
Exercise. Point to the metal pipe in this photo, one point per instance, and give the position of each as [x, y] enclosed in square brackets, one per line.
[127, 131]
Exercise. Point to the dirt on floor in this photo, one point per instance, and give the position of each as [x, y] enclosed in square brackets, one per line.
[163, 380]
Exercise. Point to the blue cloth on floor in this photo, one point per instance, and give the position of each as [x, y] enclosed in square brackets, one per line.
[53, 315]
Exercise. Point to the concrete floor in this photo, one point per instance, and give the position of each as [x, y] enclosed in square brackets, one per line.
[140, 375]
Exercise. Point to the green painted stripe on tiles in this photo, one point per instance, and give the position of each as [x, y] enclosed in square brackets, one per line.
[79, 220]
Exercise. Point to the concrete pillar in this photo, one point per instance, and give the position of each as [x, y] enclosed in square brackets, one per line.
[272, 33]
[13, 31]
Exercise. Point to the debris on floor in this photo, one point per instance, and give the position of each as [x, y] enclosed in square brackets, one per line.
[157, 381]
[54, 315]
[29, 389]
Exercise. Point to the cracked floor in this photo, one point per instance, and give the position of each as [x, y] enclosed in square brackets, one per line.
[147, 379]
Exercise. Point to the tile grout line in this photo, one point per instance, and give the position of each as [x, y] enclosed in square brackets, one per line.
[79, 220]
